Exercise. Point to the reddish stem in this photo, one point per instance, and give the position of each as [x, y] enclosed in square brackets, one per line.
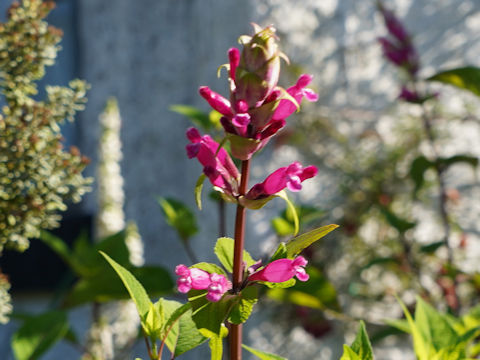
[237, 276]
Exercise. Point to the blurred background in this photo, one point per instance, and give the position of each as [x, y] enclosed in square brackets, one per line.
[150, 55]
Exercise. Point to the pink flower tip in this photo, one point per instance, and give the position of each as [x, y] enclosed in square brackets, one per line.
[304, 80]
[219, 285]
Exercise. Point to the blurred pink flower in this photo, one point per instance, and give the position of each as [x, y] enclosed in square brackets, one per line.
[191, 279]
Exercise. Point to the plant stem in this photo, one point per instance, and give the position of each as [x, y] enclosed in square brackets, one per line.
[442, 201]
[237, 276]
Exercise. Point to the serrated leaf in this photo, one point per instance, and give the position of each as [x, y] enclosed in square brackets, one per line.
[198, 190]
[242, 309]
[179, 216]
[262, 355]
[135, 289]
[361, 345]
[196, 116]
[296, 245]
[38, 333]
[224, 251]
[466, 78]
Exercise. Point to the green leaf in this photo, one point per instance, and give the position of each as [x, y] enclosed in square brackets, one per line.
[154, 320]
[445, 162]
[179, 216]
[135, 289]
[296, 245]
[262, 355]
[198, 117]
[242, 309]
[224, 251]
[421, 348]
[282, 226]
[107, 286]
[431, 248]
[38, 333]
[398, 223]
[349, 354]
[361, 345]
[433, 326]
[210, 268]
[182, 334]
[466, 78]
[198, 190]
[399, 324]
[280, 253]
[216, 343]
[417, 170]
[283, 195]
[209, 316]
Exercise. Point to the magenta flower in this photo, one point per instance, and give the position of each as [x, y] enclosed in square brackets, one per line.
[257, 107]
[217, 164]
[191, 279]
[219, 285]
[398, 47]
[282, 270]
[290, 177]
[297, 91]
[197, 279]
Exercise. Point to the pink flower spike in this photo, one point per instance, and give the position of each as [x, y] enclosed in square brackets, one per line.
[234, 58]
[191, 279]
[216, 101]
[219, 285]
[282, 270]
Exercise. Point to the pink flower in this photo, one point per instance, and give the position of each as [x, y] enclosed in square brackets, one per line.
[197, 279]
[219, 285]
[191, 279]
[282, 270]
[290, 177]
[217, 164]
[297, 91]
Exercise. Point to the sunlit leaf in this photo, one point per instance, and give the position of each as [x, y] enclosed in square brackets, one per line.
[466, 78]
[242, 309]
[262, 355]
[296, 245]
[198, 190]
[224, 251]
[179, 216]
[196, 116]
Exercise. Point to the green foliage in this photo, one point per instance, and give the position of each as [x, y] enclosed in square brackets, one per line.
[262, 355]
[284, 224]
[199, 118]
[465, 78]
[37, 177]
[198, 190]
[38, 333]
[243, 308]
[224, 251]
[361, 348]
[438, 336]
[180, 217]
[296, 245]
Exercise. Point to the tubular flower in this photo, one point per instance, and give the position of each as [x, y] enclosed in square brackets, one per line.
[257, 107]
[290, 177]
[191, 279]
[282, 270]
[219, 285]
[217, 164]
[197, 279]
